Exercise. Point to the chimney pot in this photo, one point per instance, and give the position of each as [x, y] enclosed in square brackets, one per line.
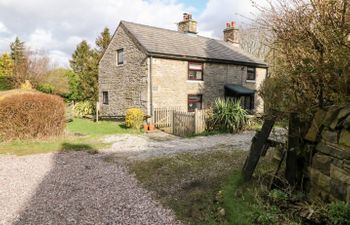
[233, 24]
[231, 34]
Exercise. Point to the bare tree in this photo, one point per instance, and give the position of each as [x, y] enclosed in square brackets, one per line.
[33, 68]
[254, 40]
[309, 52]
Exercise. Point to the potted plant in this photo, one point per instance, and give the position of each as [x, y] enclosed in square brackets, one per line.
[151, 126]
[145, 126]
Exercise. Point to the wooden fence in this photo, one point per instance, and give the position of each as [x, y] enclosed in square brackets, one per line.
[162, 117]
[179, 122]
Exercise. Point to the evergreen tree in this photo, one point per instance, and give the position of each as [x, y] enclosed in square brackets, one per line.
[6, 65]
[18, 51]
[84, 64]
[21, 64]
[103, 41]
[74, 86]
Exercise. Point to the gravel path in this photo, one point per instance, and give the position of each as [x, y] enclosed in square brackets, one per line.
[160, 144]
[74, 188]
[78, 188]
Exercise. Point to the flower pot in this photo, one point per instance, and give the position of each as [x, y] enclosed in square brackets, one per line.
[151, 126]
[145, 127]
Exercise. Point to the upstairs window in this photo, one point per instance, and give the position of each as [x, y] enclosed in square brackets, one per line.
[194, 102]
[120, 56]
[195, 71]
[105, 97]
[251, 73]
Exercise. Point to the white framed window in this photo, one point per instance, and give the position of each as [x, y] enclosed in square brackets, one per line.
[120, 56]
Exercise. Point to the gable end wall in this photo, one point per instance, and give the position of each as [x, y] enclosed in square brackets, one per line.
[126, 84]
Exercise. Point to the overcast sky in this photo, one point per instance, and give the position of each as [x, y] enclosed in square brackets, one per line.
[57, 26]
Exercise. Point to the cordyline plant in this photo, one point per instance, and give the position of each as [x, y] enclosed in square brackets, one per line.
[309, 57]
[228, 115]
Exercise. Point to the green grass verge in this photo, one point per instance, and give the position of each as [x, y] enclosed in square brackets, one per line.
[81, 135]
[191, 184]
[206, 188]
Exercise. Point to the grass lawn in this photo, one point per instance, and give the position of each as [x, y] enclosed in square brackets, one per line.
[206, 188]
[81, 134]
[101, 128]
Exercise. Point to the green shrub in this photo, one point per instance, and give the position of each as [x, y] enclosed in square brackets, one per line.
[278, 196]
[228, 115]
[46, 88]
[84, 108]
[266, 218]
[339, 213]
[26, 115]
[134, 118]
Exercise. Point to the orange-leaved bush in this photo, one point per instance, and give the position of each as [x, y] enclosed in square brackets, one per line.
[26, 115]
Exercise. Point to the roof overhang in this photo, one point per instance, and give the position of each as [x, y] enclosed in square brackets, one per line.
[208, 60]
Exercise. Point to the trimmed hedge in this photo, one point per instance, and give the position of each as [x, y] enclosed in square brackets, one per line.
[26, 115]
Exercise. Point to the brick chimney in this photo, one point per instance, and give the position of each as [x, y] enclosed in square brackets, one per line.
[187, 25]
[231, 34]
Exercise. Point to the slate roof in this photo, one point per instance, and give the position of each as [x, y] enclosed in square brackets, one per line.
[170, 43]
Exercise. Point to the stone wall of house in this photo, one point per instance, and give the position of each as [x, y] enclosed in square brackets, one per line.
[126, 84]
[171, 86]
[330, 169]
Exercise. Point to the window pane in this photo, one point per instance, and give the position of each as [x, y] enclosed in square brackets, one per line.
[199, 75]
[195, 66]
[105, 97]
[250, 73]
[195, 71]
[120, 55]
[194, 102]
[192, 75]
[194, 98]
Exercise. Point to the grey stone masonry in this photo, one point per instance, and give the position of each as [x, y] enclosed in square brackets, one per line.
[330, 170]
[171, 85]
[127, 83]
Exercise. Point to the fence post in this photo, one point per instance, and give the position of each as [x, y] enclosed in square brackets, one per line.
[195, 121]
[292, 168]
[97, 110]
[172, 119]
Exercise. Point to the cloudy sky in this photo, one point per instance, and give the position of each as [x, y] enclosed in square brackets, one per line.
[57, 26]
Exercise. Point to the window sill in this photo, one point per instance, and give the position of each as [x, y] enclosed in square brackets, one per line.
[120, 65]
[250, 81]
[195, 81]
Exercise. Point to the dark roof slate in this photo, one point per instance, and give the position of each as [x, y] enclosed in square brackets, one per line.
[173, 43]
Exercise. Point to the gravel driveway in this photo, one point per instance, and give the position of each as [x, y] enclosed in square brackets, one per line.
[159, 144]
[74, 188]
[78, 188]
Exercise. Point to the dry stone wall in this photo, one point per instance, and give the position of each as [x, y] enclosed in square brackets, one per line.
[330, 168]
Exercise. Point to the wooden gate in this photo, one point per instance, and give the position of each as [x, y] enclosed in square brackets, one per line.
[179, 122]
[183, 124]
[162, 117]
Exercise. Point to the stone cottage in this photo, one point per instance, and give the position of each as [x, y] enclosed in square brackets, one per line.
[150, 67]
